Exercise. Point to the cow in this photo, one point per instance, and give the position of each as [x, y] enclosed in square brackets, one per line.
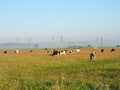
[77, 50]
[45, 48]
[112, 50]
[5, 52]
[102, 50]
[30, 51]
[62, 52]
[48, 51]
[92, 56]
[16, 51]
[55, 52]
[71, 51]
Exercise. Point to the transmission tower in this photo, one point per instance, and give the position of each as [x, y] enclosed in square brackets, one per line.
[52, 41]
[96, 43]
[62, 41]
[101, 44]
[29, 42]
[17, 40]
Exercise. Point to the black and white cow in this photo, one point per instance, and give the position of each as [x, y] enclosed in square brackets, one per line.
[16, 51]
[63, 52]
[71, 51]
[30, 51]
[55, 52]
[92, 56]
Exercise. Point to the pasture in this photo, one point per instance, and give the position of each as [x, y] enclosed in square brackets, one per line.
[40, 71]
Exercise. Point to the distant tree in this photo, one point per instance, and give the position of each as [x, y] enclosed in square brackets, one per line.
[89, 45]
[36, 45]
[117, 45]
[80, 46]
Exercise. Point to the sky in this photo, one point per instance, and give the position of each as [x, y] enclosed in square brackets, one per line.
[74, 20]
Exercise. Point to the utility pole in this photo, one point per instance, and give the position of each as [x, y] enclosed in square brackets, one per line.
[52, 41]
[30, 42]
[96, 42]
[101, 41]
[61, 41]
[17, 40]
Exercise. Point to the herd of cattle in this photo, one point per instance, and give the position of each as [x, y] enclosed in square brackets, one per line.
[63, 52]
[112, 50]
[54, 52]
[17, 51]
[57, 52]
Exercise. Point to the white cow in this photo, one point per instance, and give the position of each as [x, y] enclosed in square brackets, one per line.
[77, 50]
[62, 52]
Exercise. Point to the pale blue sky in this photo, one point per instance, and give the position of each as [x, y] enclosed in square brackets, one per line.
[73, 19]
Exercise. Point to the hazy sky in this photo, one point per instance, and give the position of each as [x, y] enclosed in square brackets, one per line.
[73, 19]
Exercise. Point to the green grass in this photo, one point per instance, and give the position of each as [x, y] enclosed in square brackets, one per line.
[43, 72]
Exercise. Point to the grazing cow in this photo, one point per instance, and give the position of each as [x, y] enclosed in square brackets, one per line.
[71, 51]
[77, 50]
[16, 51]
[5, 52]
[30, 51]
[48, 51]
[92, 56]
[45, 49]
[112, 50]
[62, 52]
[102, 50]
[55, 52]
[66, 50]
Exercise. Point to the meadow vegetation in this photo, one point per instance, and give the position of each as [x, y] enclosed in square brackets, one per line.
[40, 71]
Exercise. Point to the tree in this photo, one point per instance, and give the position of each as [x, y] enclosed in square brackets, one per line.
[117, 45]
[36, 45]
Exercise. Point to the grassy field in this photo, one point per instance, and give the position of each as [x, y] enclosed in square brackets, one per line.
[40, 71]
